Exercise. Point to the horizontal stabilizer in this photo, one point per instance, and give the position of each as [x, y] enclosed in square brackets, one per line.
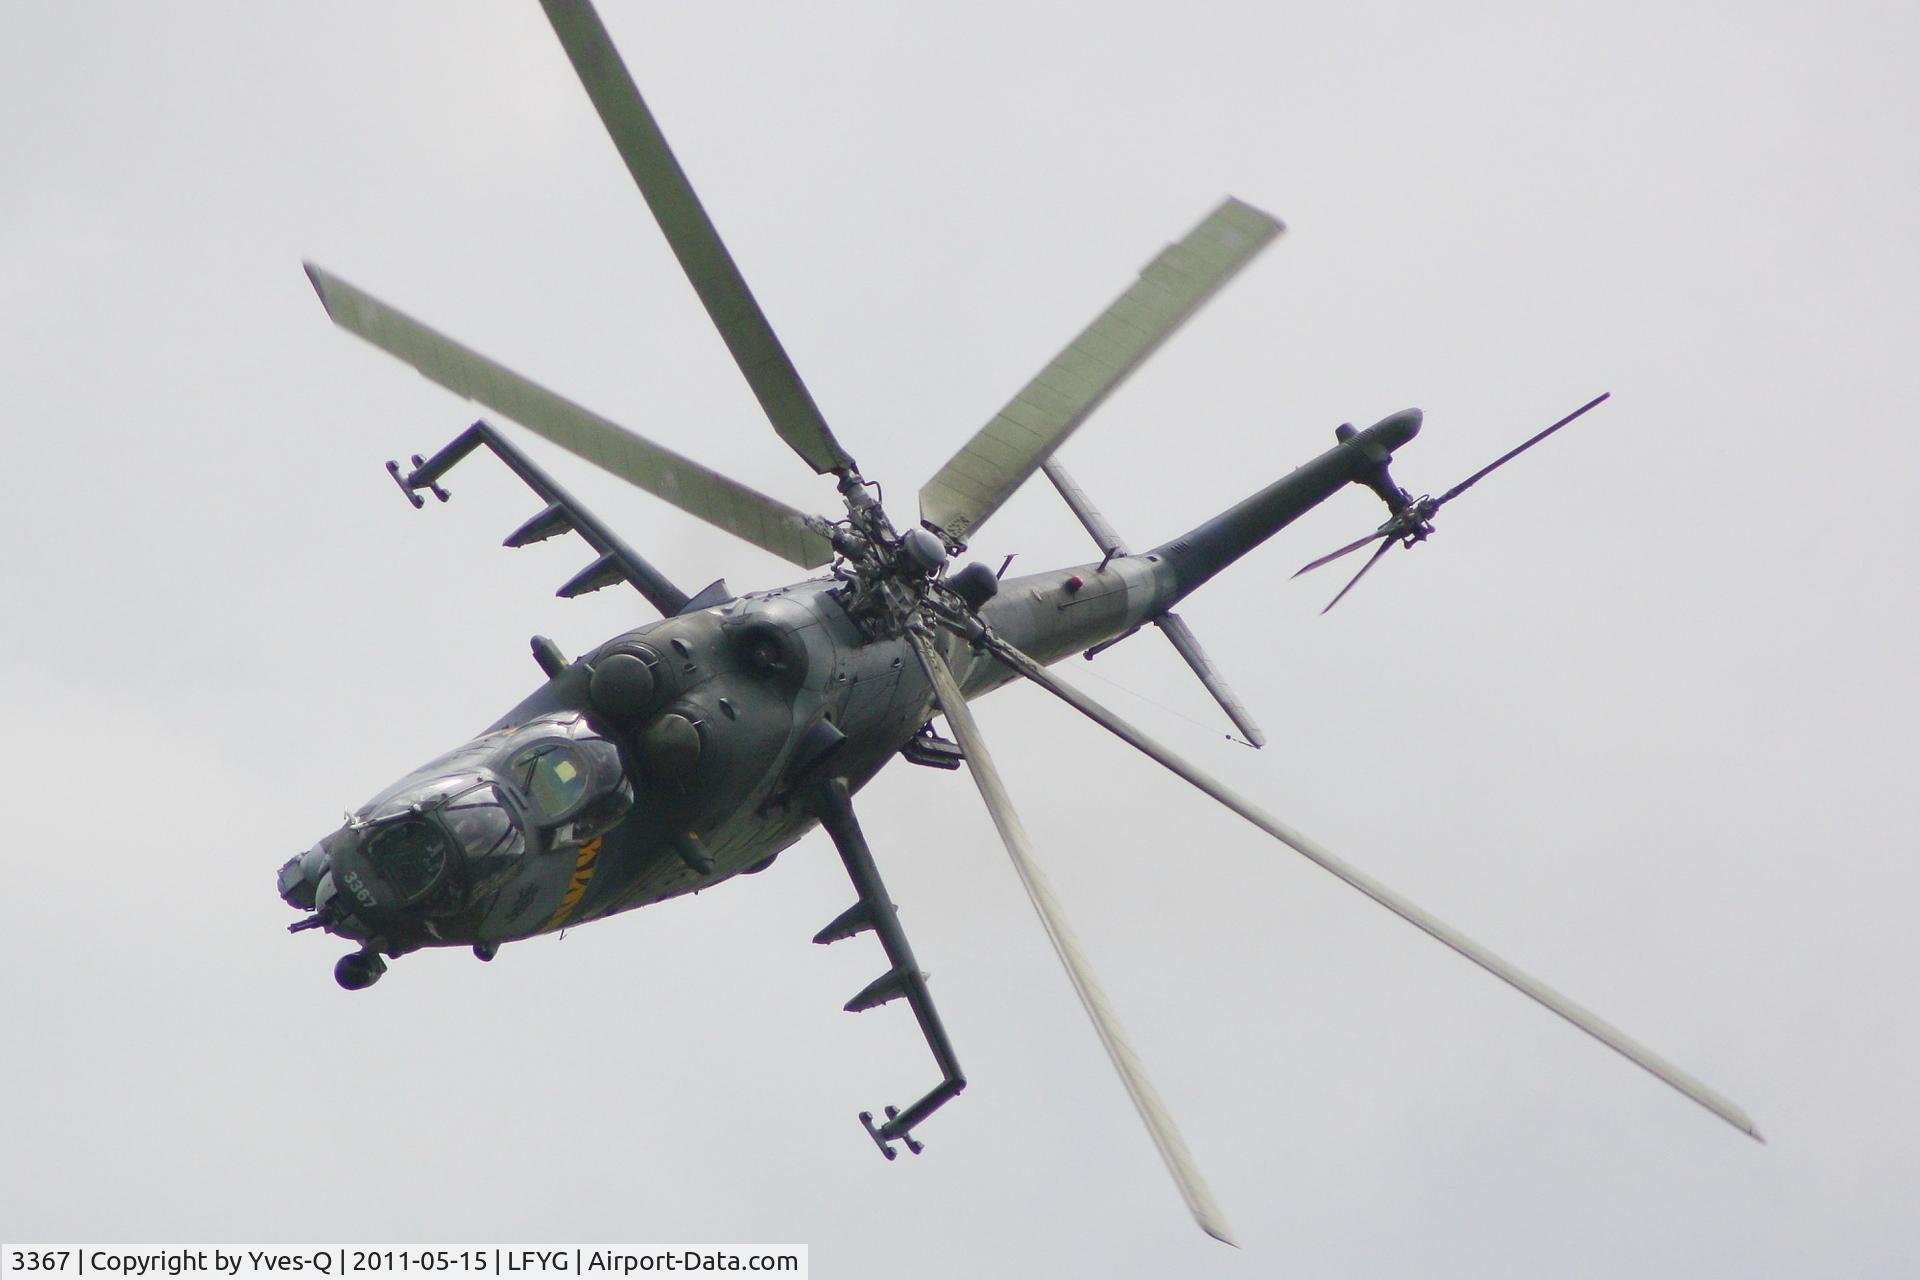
[1174, 627]
[1185, 643]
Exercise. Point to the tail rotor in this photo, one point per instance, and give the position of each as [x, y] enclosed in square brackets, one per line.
[1411, 519]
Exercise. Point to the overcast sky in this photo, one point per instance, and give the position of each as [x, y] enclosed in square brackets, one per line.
[1640, 717]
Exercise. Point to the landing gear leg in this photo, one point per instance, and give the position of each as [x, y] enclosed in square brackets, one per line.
[875, 911]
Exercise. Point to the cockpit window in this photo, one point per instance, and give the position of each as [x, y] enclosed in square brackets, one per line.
[490, 839]
[554, 777]
[439, 855]
[480, 823]
[411, 854]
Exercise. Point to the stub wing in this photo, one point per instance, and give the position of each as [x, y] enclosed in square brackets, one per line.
[698, 490]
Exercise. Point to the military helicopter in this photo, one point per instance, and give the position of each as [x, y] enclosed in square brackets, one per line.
[696, 748]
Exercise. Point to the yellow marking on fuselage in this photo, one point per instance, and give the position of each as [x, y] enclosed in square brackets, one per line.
[582, 873]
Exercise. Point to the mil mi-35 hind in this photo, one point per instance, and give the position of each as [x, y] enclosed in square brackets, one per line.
[697, 747]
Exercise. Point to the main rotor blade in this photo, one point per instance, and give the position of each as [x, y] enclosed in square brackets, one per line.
[1591, 1023]
[1013, 834]
[703, 256]
[983, 475]
[1511, 454]
[1354, 581]
[727, 504]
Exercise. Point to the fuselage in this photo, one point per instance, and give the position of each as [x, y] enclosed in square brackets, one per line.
[680, 754]
[711, 750]
[750, 724]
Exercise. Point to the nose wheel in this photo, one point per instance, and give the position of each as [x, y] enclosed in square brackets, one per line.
[359, 971]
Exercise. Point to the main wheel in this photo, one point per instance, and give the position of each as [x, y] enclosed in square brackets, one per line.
[358, 971]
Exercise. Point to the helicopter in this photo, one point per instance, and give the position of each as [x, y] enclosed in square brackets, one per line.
[698, 747]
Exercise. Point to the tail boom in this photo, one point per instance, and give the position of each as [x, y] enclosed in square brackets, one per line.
[1198, 555]
[1061, 612]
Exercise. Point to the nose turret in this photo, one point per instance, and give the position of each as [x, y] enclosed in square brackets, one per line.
[347, 893]
[308, 882]
[300, 877]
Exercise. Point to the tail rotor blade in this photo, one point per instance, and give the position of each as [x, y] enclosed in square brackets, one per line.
[1353, 582]
[1411, 519]
[1173, 1150]
[1349, 549]
[1511, 454]
[1532, 987]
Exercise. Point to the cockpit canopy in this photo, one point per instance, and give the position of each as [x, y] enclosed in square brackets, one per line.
[562, 775]
[575, 782]
[451, 834]
[438, 854]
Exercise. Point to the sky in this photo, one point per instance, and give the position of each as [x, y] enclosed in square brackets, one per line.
[1639, 717]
